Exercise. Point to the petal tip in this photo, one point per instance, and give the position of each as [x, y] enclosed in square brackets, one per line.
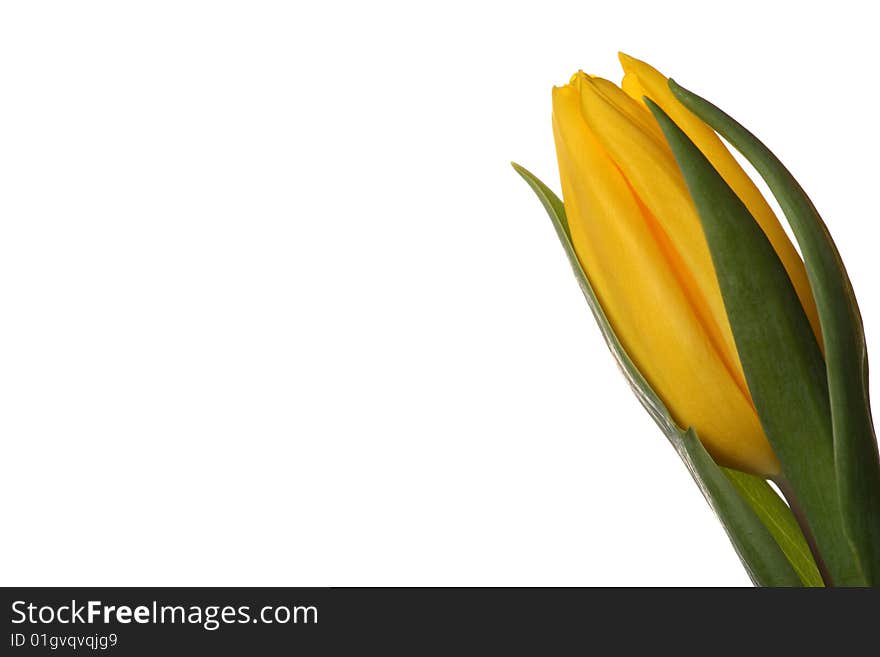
[626, 61]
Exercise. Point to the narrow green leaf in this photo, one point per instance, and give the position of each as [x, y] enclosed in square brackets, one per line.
[552, 204]
[645, 394]
[781, 359]
[780, 522]
[764, 559]
[855, 445]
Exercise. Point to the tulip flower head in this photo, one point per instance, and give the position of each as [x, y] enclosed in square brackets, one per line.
[747, 357]
[638, 237]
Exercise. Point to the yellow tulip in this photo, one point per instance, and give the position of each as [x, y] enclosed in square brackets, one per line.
[639, 239]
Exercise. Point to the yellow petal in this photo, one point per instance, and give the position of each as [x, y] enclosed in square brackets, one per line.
[641, 80]
[616, 240]
[651, 170]
[634, 110]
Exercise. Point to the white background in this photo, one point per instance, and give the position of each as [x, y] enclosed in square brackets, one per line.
[275, 309]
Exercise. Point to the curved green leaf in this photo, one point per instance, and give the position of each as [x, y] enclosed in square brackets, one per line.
[780, 522]
[743, 517]
[764, 558]
[781, 359]
[855, 446]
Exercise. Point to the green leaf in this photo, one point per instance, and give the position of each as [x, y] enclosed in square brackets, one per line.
[855, 446]
[637, 382]
[764, 559]
[780, 522]
[781, 359]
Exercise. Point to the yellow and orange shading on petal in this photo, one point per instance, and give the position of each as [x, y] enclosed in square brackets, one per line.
[639, 239]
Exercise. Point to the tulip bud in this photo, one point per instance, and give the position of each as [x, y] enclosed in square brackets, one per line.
[638, 237]
[742, 355]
